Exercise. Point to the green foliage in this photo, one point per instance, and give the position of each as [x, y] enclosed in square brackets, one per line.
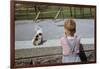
[26, 12]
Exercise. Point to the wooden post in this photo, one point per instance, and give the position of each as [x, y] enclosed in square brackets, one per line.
[27, 12]
[35, 9]
[82, 12]
[70, 11]
[61, 13]
[74, 12]
[91, 12]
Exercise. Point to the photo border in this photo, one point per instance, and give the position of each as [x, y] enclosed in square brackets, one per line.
[12, 30]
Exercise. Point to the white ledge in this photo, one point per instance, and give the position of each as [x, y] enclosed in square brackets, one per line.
[48, 43]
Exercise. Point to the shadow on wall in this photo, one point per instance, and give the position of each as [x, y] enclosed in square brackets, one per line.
[82, 54]
[86, 56]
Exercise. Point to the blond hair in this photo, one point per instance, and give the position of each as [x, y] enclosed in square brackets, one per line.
[70, 26]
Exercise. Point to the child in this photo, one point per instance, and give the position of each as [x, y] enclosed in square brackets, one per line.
[70, 43]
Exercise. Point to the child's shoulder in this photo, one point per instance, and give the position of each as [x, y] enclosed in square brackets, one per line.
[77, 38]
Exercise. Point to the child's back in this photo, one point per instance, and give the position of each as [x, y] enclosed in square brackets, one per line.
[70, 49]
[70, 42]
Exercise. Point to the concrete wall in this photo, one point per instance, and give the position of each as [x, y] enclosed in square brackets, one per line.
[25, 49]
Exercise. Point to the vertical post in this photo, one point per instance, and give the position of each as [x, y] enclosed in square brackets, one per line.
[35, 9]
[82, 12]
[62, 13]
[74, 12]
[91, 12]
[70, 11]
[27, 11]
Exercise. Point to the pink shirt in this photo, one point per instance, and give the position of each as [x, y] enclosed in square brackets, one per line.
[66, 47]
